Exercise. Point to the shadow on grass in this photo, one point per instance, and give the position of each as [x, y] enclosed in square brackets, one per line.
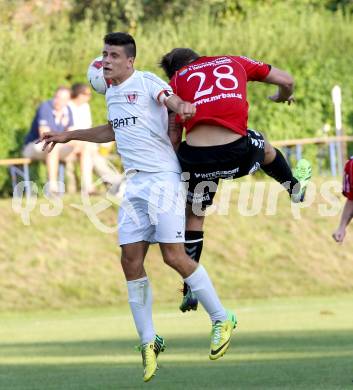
[259, 342]
[256, 369]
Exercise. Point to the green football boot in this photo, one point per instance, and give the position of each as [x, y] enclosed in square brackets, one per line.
[159, 345]
[189, 301]
[302, 173]
[221, 335]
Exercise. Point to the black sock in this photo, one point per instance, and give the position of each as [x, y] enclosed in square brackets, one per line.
[193, 247]
[281, 172]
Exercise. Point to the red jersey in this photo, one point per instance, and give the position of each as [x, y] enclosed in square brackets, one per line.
[348, 179]
[217, 87]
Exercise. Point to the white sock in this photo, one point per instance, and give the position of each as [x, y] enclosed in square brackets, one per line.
[201, 285]
[140, 300]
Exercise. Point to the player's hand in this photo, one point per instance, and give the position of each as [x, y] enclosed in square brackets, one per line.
[339, 235]
[277, 98]
[52, 138]
[186, 111]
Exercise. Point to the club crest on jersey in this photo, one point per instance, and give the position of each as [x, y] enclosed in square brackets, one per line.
[131, 97]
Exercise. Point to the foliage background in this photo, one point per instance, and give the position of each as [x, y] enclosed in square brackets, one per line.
[46, 44]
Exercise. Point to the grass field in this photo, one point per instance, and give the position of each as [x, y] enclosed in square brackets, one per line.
[64, 261]
[280, 344]
[56, 266]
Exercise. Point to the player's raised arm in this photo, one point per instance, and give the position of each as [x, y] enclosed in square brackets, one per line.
[285, 84]
[99, 134]
[184, 109]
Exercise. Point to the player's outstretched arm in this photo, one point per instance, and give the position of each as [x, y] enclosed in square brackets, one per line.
[99, 134]
[347, 215]
[285, 84]
[184, 109]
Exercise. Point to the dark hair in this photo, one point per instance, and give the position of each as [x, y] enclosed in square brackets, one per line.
[176, 59]
[78, 89]
[122, 39]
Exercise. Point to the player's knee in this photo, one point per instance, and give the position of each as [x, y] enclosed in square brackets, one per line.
[270, 153]
[132, 267]
[129, 260]
[171, 259]
[173, 255]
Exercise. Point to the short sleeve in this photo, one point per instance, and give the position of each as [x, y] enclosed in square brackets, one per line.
[255, 70]
[43, 115]
[348, 180]
[156, 86]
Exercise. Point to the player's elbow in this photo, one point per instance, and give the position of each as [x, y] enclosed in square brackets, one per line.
[285, 80]
[288, 81]
[280, 78]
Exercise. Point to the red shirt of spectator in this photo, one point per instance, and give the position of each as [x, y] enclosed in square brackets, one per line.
[217, 87]
[348, 179]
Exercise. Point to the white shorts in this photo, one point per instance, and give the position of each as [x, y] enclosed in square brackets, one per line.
[153, 208]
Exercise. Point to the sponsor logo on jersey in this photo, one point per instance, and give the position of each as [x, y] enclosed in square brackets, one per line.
[217, 174]
[218, 97]
[216, 62]
[197, 198]
[131, 97]
[260, 143]
[252, 61]
[123, 122]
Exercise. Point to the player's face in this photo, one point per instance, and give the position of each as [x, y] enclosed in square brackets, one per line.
[117, 66]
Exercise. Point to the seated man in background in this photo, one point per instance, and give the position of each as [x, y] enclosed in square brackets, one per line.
[52, 115]
[347, 213]
[90, 157]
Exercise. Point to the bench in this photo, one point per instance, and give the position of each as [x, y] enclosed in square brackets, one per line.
[19, 168]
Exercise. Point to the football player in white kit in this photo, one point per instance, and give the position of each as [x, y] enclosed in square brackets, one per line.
[153, 209]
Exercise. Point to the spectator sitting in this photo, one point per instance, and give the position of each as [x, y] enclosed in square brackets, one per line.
[82, 119]
[51, 115]
[81, 114]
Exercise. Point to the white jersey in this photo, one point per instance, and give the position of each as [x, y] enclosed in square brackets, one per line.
[140, 124]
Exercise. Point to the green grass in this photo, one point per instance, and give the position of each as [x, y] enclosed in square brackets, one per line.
[64, 261]
[280, 344]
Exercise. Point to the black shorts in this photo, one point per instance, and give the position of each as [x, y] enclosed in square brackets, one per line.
[207, 164]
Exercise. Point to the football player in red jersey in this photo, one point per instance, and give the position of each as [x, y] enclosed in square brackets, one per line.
[218, 143]
[347, 213]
